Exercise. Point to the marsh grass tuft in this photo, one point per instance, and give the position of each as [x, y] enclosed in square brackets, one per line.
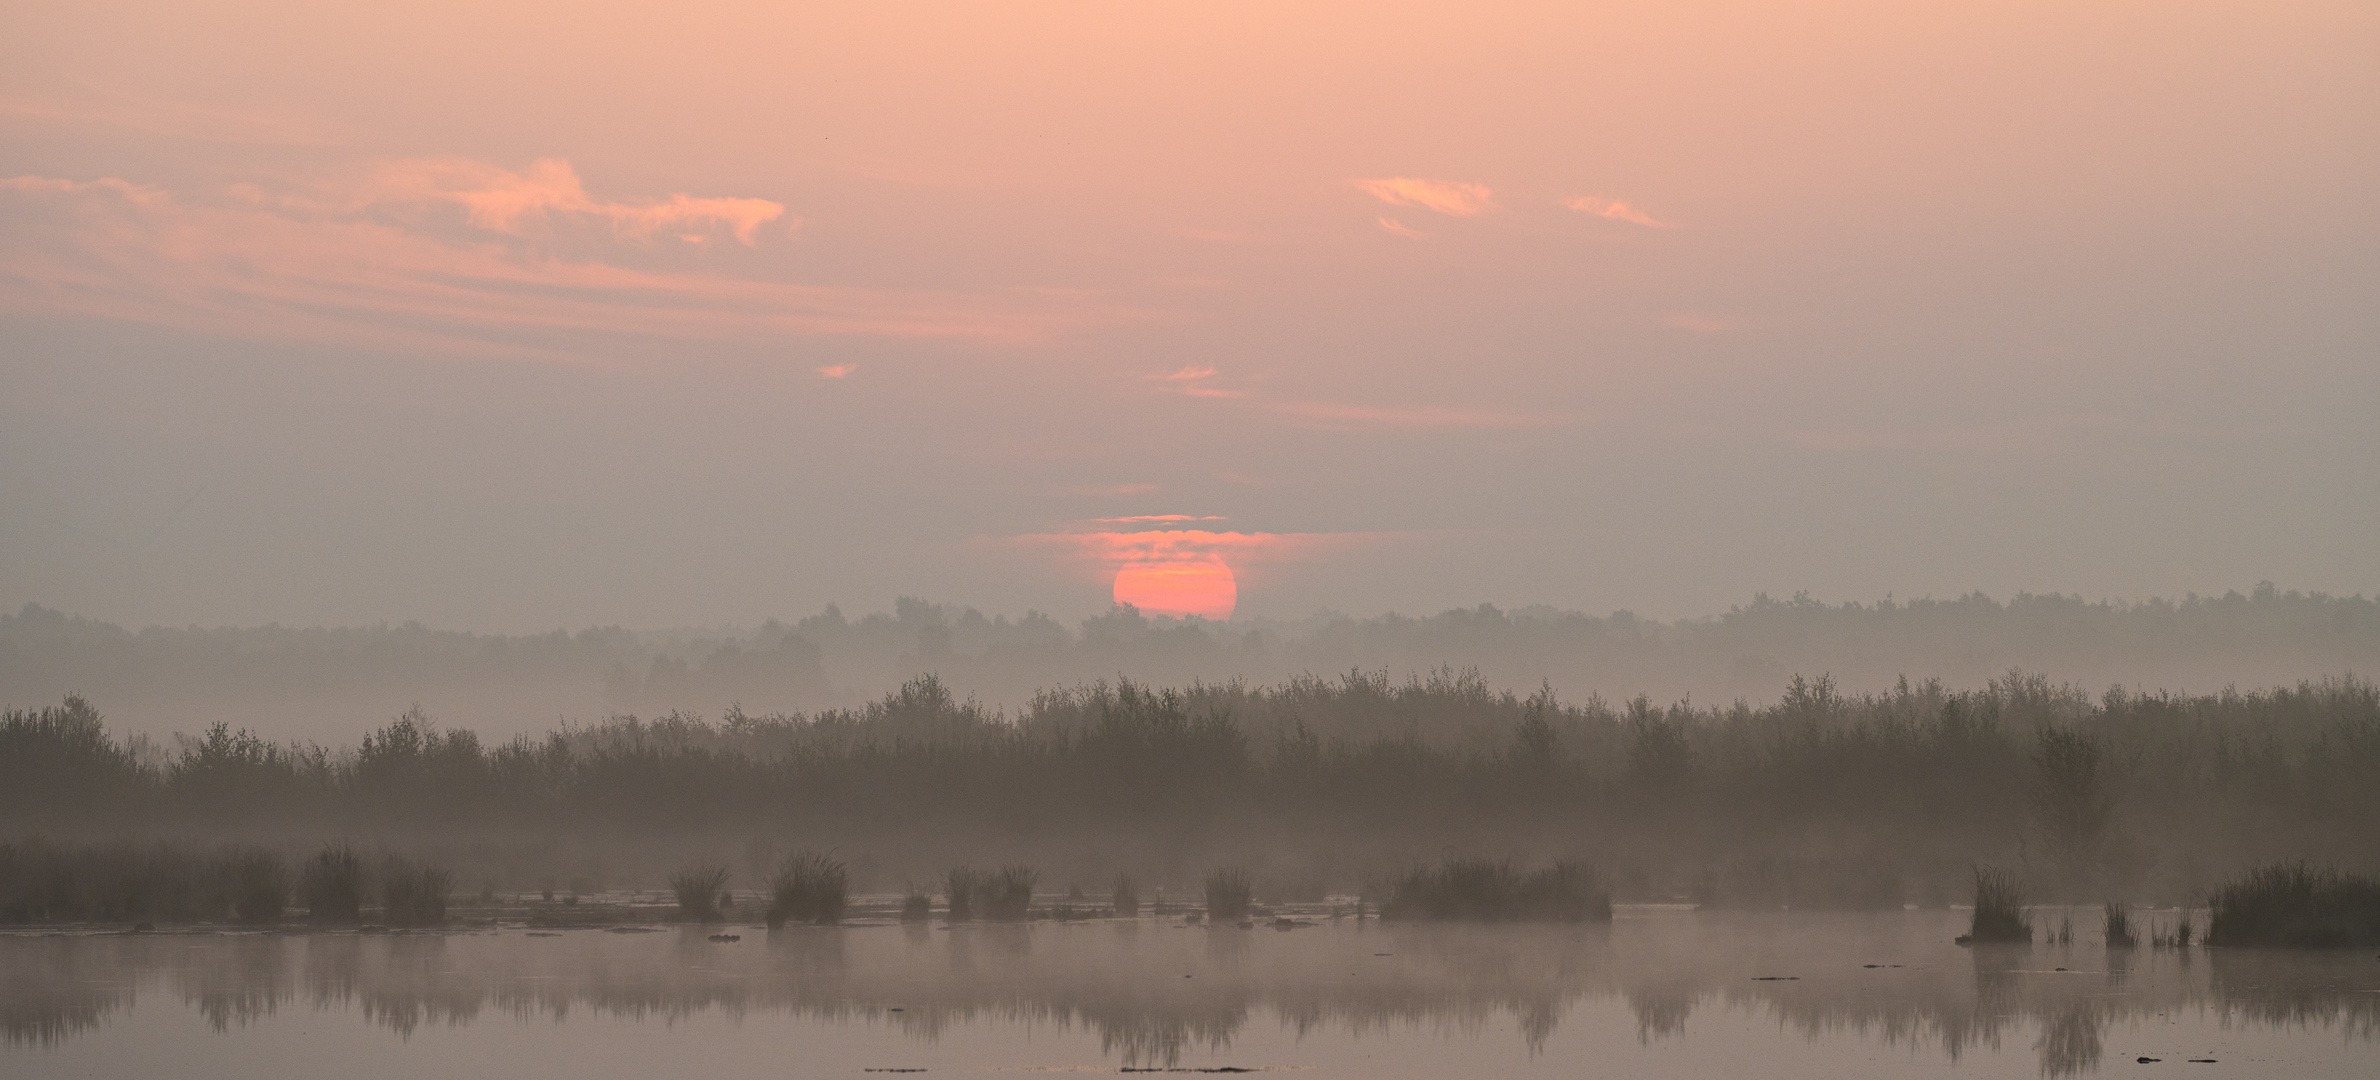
[414, 895]
[332, 885]
[2118, 927]
[698, 889]
[961, 885]
[41, 882]
[1229, 895]
[917, 905]
[1008, 893]
[1124, 900]
[1999, 909]
[809, 888]
[258, 883]
[2295, 905]
[1487, 890]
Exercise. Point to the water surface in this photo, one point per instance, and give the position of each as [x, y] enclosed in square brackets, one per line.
[1659, 993]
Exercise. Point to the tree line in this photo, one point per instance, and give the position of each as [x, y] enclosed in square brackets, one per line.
[1822, 798]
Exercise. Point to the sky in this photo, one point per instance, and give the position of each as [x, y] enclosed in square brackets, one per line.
[513, 315]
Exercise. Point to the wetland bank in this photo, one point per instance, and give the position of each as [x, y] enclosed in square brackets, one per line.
[2013, 879]
[1315, 787]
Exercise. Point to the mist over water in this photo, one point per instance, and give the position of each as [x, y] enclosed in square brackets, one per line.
[332, 685]
[1791, 863]
[1658, 992]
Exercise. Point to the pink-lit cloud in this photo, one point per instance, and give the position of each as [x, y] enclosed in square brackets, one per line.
[140, 194]
[1191, 381]
[837, 371]
[1441, 196]
[1111, 548]
[1185, 571]
[252, 263]
[1399, 228]
[503, 201]
[1614, 210]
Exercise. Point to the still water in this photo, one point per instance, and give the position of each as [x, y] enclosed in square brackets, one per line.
[1659, 993]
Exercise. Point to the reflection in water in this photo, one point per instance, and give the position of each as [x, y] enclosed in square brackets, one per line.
[1153, 991]
[240, 980]
[49, 995]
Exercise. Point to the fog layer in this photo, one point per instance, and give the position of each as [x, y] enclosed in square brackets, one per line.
[332, 685]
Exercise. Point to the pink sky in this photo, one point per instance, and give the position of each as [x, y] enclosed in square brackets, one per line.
[519, 314]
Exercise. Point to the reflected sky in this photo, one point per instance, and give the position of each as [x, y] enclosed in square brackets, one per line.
[1658, 992]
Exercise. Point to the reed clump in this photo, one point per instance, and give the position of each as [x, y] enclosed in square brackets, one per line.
[960, 885]
[809, 888]
[258, 883]
[2296, 906]
[331, 885]
[1008, 893]
[2117, 927]
[1230, 895]
[42, 883]
[1124, 898]
[1487, 890]
[413, 894]
[697, 889]
[917, 905]
[1999, 910]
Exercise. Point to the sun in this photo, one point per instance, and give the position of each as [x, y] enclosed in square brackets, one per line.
[1202, 587]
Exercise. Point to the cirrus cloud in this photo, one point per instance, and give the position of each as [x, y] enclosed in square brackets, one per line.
[250, 263]
[501, 200]
[1191, 381]
[1614, 210]
[1441, 196]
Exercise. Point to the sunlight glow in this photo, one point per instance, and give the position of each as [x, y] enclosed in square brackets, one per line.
[1202, 587]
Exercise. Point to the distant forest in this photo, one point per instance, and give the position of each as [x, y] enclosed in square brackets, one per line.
[336, 683]
[1822, 799]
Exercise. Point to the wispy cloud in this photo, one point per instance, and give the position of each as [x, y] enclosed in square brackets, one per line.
[1614, 210]
[1392, 225]
[1442, 196]
[837, 371]
[1191, 381]
[140, 194]
[504, 201]
[295, 265]
[1113, 548]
